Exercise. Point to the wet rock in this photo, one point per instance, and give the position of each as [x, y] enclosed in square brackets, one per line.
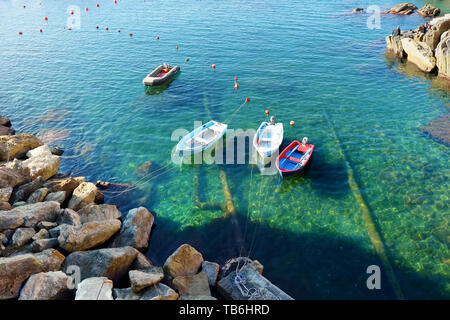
[24, 191]
[99, 197]
[45, 286]
[102, 184]
[211, 270]
[29, 215]
[437, 27]
[88, 235]
[10, 177]
[420, 54]
[155, 292]
[94, 212]
[185, 261]
[42, 234]
[41, 163]
[260, 287]
[83, 195]
[144, 278]
[17, 146]
[5, 131]
[5, 194]
[22, 236]
[42, 244]
[358, 10]
[95, 288]
[442, 54]
[51, 259]
[112, 263]
[237, 263]
[57, 151]
[46, 225]
[68, 216]
[195, 285]
[5, 206]
[439, 129]
[4, 121]
[38, 196]
[14, 271]
[63, 184]
[136, 229]
[144, 168]
[58, 196]
[141, 262]
[428, 10]
[403, 8]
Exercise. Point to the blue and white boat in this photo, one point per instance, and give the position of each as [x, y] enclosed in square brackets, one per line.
[268, 138]
[201, 138]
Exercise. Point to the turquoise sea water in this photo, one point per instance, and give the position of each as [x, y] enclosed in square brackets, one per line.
[308, 61]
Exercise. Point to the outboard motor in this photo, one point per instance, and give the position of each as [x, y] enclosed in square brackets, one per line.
[305, 141]
[272, 120]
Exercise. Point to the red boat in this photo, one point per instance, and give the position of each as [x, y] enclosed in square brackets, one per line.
[294, 158]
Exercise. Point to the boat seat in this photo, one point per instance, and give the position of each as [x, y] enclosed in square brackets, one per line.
[201, 141]
[266, 139]
[294, 159]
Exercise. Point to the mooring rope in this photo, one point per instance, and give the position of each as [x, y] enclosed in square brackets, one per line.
[235, 112]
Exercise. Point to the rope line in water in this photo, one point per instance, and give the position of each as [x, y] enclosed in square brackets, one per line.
[235, 112]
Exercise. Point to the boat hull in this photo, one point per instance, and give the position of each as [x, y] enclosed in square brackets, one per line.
[268, 139]
[152, 79]
[201, 138]
[294, 158]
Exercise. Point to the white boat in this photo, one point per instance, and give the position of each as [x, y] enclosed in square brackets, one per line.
[201, 138]
[268, 138]
[160, 75]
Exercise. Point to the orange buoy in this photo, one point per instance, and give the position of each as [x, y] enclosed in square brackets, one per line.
[45, 18]
[69, 28]
[236, 86]
[235, 78]
[131, 34]
[187, 59]
[213, 66]
[157, 37]
[71, 12]
[98, 5]
[40, 30]
[176, 47]
[118, 30]
[96, 27]
[267, 112]
[87, 9]
[292, 123]
[106, 28]
[247, 100]
[20, 32]
[115, 1]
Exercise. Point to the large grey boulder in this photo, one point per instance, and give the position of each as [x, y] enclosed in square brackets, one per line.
[95, 288]
[45, 286]
[14, 271]
[83, 195]
[195, 285]
[51, 259]
[112, 263]
[58, 196]
[141, 279]
[259, 288]
[211, 269]
[17, 146]
[38, 196]
[88, 235]
[68, 216]
[29, 215]
[136, 229]
[94, 212]
[156, 292]
[5, 193]
[22, 236]
[24, 191]
[10, 177]
[185, 261]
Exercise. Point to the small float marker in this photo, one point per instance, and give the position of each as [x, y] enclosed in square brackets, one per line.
[69, 28]
[106, 28]
[235, 78]
[96, 27]
[20, 32]
[213, 66]
[40, 30]
[45, 18]
[131, 34]
[87, 9]
[236, 85]
[292, 123]
[157, 37]
[115, 1]
[247, 100]
[267, 112]
[187, 59]
[71, 12]
[98, 5]
[176, 47]
[118, 30]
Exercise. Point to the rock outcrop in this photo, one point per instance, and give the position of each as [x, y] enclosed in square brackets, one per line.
[155, 292]
[442, 54]
[95, 288]
[45, 286]
[195, 285]
[144, 278]
[41, 163]
[185, 261]
[420, 54]
[17, 146]
[101, 212]
[428, 10]
[403, 8]
[83, 195]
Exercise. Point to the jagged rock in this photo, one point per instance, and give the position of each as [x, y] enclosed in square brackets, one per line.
[10, 177]
[5, 131]
[57, 151]
[45, 286]
[439, 129]
[428, 10]
[22, 236]
[95, 288]
[24, 191]
[112, 263]
[136, 229]
[144, 278]
[442, 54]
[51, 259]
[155, 292]
[42, 234]
[63, 184]
[141, 262]
[14, 271]
[38, 196]
[58, 196]
[42, 244]
[5, 206]
[29, 215]
[211, 270]
[420, 54]
[46, 225]
[195, 285]
[83, 195]
[17, 146]
[437, 27]
[403, 8]
[4, 121]
[197, 298]
[94, 212]
[5, 194]
[68, 216]
[358, 10]
[185, 261]
[41, 163]
[261, 288]
[88, 235]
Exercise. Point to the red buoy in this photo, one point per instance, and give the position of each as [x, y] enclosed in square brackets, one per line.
[235, 78]
[213, 66]
[115, 1]
[97, 27]
[69, 28]
[187, 59]
[20, 32]
[292, 123]
[98, 5]
[87, 9]
[236, 86]
[71, 12]
[45, 18]
[131, 34]
[118, 30]
[176, 47]
[267, 112]
[40, 30]
[106, 28]
[247, 100]
[157, 37]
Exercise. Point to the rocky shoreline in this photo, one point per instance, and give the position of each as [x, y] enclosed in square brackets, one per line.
[59, 240]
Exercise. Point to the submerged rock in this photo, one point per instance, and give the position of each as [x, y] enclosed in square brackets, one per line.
[4, 121]
[185, 261]
[102, 212]
[144, 278]
[88, 235]
[428, 10]
[136, 229]
[403, 8]
[439, 129]
[45, 286]
[358, 10]
[17, 146]
[420, 54]
[112, 263]
[95, 288]
[83, 195]
[195, 285]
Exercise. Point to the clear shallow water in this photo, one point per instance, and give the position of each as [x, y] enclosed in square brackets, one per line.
[305, 61]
